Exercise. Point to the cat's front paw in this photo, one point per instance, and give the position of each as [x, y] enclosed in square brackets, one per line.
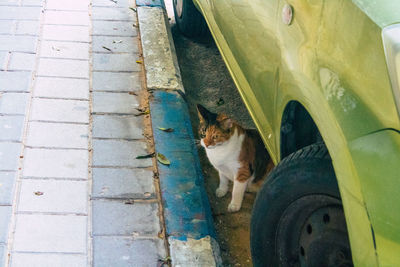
[220, 192]
[233, 207]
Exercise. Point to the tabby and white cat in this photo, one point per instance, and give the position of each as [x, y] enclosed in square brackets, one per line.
[238, 154]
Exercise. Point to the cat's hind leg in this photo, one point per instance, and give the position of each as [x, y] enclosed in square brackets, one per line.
[223, 185]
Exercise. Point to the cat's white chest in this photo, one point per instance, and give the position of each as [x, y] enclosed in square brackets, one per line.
[225, 158]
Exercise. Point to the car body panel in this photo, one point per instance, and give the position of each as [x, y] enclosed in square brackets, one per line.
[338, 73]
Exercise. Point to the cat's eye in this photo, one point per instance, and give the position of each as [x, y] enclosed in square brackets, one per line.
[215, 137]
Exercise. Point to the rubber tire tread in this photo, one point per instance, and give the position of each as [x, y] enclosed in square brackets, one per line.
[284, 185]
[192, 23]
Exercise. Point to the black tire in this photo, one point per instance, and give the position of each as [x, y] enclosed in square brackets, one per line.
[298, 218]
[189, 20]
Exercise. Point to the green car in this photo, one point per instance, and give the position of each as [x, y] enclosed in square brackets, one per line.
[321, 80]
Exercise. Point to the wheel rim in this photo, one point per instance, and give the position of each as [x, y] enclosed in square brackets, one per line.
[312, 232]
[179, 7]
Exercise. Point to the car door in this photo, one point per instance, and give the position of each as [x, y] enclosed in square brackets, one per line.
[249, 29]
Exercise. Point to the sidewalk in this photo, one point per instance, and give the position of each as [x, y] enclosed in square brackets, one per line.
[71, 191]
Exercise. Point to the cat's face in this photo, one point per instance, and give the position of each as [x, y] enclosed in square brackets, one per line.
[214, 129]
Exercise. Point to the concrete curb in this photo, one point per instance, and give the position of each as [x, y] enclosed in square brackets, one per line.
[189, 225]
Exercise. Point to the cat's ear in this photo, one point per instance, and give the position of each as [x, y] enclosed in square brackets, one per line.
[226, 124]
[204, 114]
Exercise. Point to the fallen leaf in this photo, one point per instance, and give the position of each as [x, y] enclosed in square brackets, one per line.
[132, 93]
[146, 156]
[138, 62]
[38, 193]
[133, 9]
[168, 130]
[129, 202]
[220, 102]
[106, 48]
[55, 48]
[164, 262]
[117, 41]
[143, 113]
[162, 159]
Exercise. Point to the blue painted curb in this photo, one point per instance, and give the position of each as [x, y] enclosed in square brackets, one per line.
[186, 206]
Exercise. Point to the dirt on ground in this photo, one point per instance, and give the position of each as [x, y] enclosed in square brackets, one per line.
[207, 81]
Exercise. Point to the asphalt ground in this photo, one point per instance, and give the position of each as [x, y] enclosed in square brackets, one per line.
[207, 81]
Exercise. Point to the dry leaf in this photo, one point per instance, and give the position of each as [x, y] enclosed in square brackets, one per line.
[162, 159]
[138, 62]
[132, 93]
[129, 202]
[143, 113]
[146, 156]
[117, 41]
[38, 193]
[168, 130]
[220, 102]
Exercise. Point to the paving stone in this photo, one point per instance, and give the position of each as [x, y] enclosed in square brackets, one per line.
[60, 135]
[22, 61]
[15, 81]
[60, 110]
[68, 4]
[18, 43]
[58, 49]
[3, 60]
[111, 153]
[63, 68]
[11, 128]
[117, 62]
[149, 3]
[108, 3]
[5, 216]
[9, 3]
[27, 27]
[117, 45]
[118, 14]
[55, 163]
[62, 88]
[47, 260]
[50, 233]
[9, 155]
[113, 28]
[122, 103]
[122, 183]
[7, 183]
[32, 2]
[3, 252]
[66, 18]
[66, 33]
[127, 251]
[116, 81]
[124, 127]
[20, 13]
[13, 103]
[58, 196]
[111, 217]
[6, 27]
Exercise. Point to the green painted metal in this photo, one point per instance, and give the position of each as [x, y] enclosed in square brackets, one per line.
[331, 60]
